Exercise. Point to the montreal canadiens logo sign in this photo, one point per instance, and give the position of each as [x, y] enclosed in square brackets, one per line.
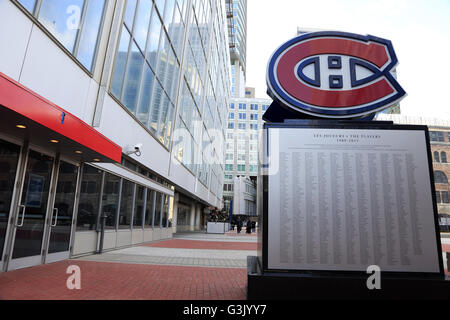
[334, 75]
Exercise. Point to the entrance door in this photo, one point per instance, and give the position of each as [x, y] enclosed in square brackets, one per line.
[9, 160]
[27, 246]
[62, 213]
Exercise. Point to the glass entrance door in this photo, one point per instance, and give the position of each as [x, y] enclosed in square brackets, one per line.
[9, 159]
[32, 211]
[62, 213]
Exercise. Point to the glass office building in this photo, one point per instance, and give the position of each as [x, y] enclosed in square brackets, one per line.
[242, 144]
[112, 113]
[237, 35]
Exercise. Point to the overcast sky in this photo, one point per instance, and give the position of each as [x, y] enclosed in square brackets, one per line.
[418, 29]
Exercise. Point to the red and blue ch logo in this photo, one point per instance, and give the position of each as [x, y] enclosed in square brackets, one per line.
[334, 75]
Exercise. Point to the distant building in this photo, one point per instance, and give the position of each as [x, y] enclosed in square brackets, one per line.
[237, 34]
[439, 130]
[244, 199]
[249, 93]
[242, 141]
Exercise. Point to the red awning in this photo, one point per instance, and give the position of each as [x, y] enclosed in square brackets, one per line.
[48, 125]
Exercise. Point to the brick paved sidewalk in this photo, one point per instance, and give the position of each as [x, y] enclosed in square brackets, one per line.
[198, 244]
[119, 281]
[151, 272]
[176, 269]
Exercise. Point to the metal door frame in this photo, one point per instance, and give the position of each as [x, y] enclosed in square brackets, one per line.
[19, 263]
[17, 182]
[63, 255]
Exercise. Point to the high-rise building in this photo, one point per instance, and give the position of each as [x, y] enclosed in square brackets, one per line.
[242, 142]
[237, 30]
[111, 113]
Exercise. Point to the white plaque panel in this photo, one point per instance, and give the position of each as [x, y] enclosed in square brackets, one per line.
[344, 199]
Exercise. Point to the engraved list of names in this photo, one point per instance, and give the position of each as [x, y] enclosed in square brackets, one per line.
[344, 199]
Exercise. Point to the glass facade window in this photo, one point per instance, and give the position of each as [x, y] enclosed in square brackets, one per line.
[158, 209]
[88, 208]
[147, 67]
[139, 207]
[75, 24]
[126, 204]
[110, 200]
[150, 208]
[165, 211]
[28, 4]
[149, 81]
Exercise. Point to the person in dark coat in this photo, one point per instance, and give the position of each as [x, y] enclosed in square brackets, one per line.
[239, 225]
[249, 226]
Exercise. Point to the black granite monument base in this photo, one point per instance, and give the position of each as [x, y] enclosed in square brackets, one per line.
[320, 286]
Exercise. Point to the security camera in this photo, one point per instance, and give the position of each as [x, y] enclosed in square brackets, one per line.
[136, 149]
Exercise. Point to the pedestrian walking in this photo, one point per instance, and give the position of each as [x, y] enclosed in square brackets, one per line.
[239, 225]
[249, 227]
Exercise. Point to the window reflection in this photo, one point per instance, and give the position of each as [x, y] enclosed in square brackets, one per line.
[150, 208]
[62, 18]
[121, 61]
[110, 200]
[158, 208]
[74, 23]
[139, 207]
[91, 181]
[126, 205]
[28, 4]
[133, 78]
[9, 157]
[142, 22]
[90, 35]
[165, 211]
[129, 13]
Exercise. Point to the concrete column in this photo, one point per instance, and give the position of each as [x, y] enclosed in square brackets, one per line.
[192, 220]
[198, 214]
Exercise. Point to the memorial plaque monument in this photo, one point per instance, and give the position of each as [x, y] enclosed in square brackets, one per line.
[339, 193]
